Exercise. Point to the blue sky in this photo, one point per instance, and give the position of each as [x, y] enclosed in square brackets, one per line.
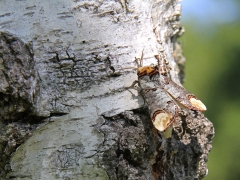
[206, 12]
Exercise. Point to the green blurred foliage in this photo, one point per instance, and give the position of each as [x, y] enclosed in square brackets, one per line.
[213, 75]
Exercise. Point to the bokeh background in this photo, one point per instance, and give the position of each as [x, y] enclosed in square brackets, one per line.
[211, 44]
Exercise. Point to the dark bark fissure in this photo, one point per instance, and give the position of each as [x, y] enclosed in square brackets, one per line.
[181, 157]
[17, 112]
[129, 147]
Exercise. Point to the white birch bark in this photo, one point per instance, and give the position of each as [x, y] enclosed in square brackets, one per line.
[83, 55]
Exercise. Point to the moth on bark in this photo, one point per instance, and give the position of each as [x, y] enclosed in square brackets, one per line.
[178, 93]
[163, 96]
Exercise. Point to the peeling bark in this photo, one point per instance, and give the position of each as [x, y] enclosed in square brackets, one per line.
[65, 112]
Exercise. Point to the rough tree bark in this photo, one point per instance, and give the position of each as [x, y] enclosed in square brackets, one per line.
[64, 109]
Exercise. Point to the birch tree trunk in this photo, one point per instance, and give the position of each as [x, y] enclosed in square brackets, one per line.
[65, 110]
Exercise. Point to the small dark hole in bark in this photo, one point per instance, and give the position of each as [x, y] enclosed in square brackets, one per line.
[128, 157]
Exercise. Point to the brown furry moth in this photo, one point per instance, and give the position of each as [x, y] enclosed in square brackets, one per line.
[163, 96]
